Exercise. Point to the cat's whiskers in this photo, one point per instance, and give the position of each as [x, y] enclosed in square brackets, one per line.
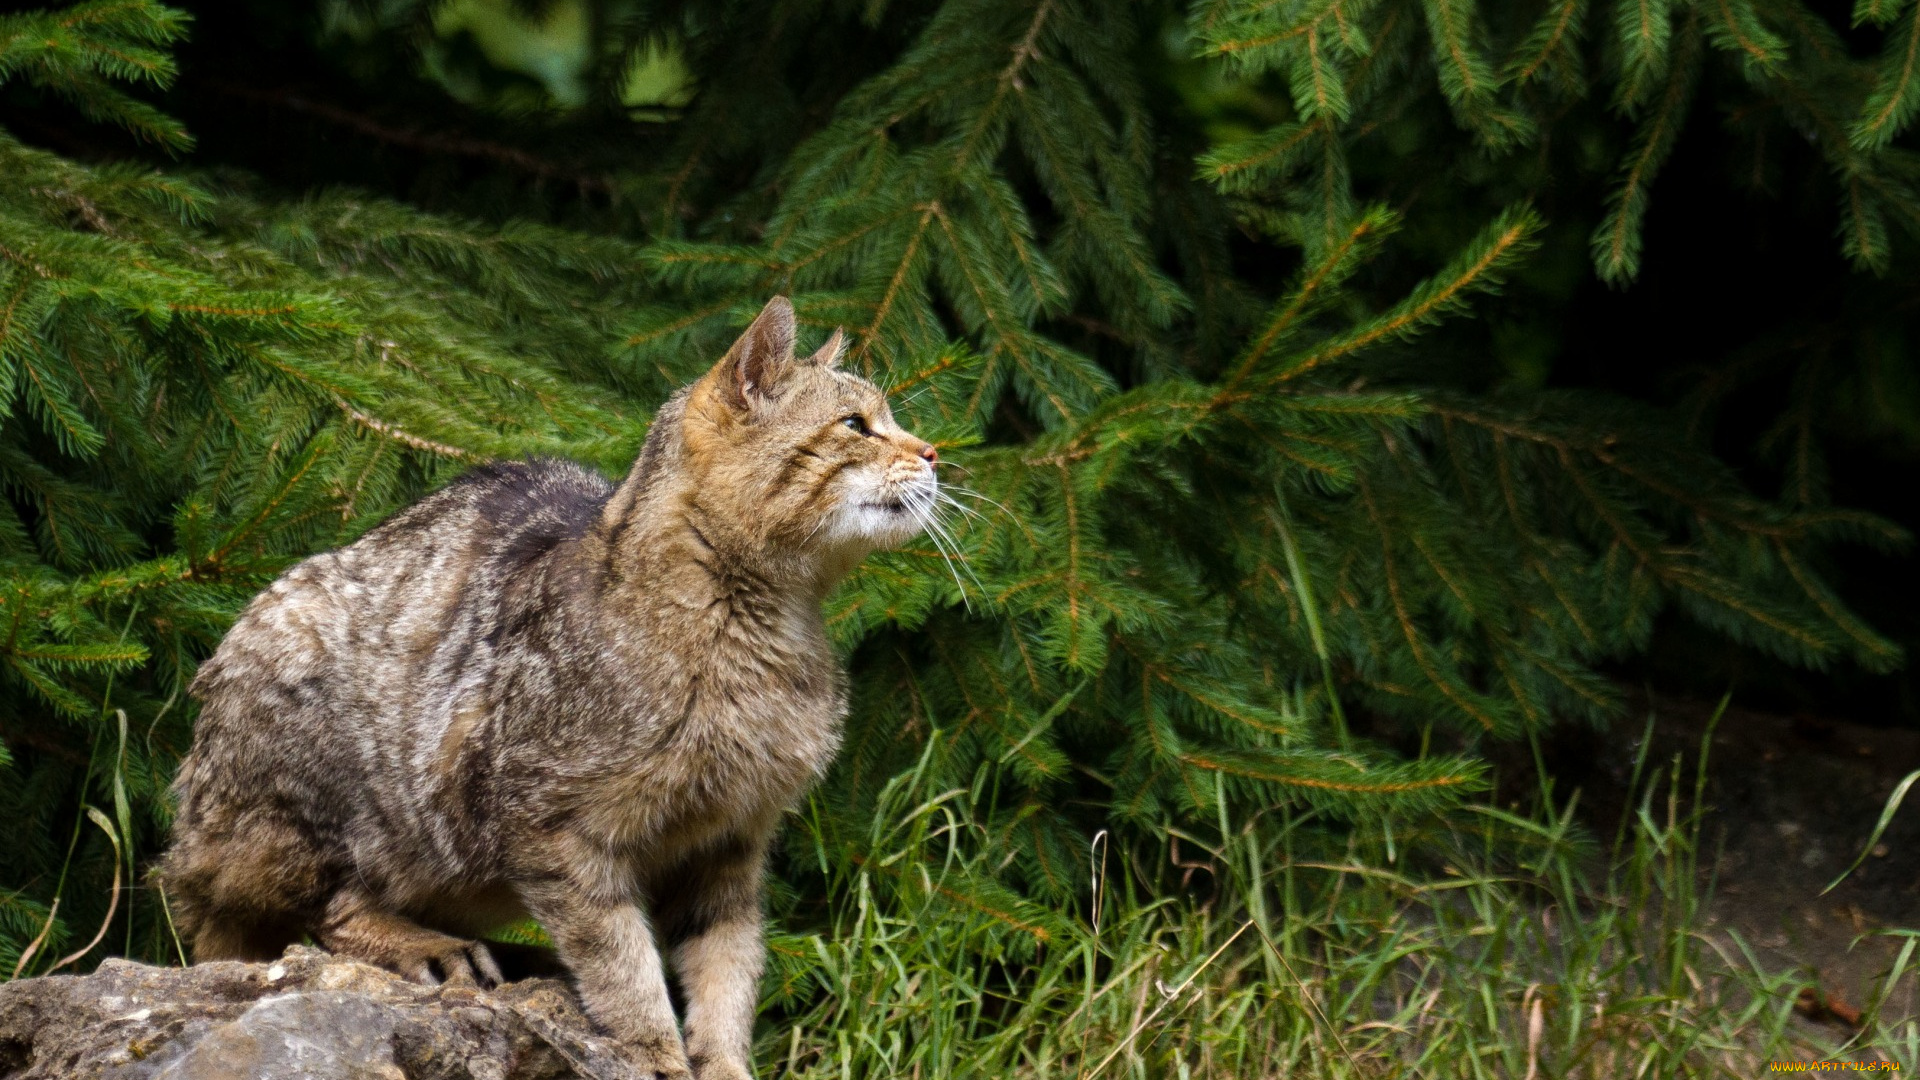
[955, 489]
[948, 500]
[924, 504]
[958, 559]
[942, 496]
[939, 547]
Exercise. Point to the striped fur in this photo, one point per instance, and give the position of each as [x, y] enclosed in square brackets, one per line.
[538, 693]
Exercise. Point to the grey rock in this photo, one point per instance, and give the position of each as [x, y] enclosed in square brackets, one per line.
[321, 1035]
[307, 1016]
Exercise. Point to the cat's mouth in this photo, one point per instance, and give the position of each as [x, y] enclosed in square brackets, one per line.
[884, 518]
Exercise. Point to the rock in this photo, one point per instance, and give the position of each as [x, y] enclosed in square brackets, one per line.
[308, 1015]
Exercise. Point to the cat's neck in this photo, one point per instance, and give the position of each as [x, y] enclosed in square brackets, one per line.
[661, 520]
[701, 577]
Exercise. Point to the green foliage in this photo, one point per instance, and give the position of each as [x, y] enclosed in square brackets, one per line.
[1207, 511]
[1296, 954]
[80, 53]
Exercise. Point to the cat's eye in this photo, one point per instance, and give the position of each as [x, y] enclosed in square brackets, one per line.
[857, 424]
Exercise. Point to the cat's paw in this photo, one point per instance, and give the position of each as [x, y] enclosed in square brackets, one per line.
[451, 961]
[720, 1069]
[659, 1059]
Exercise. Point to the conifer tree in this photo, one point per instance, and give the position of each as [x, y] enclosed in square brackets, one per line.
[1206, 513]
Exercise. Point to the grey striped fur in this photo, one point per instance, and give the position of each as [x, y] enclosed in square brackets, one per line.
[538, 693]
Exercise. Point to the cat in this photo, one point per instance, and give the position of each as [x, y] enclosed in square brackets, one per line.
[534, 693]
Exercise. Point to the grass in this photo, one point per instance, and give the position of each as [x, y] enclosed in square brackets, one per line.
[1490, 944]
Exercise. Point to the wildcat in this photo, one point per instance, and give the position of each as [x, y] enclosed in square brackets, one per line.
[536, 693]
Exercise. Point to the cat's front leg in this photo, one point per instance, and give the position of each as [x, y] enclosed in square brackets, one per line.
[715, 918]
[595, 921]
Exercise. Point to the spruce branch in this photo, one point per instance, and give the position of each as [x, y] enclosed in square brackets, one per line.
[1616, 240]
[1478, 268]
[1551, 47]
[1896, 91]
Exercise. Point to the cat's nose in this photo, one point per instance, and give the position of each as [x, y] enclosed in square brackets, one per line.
[928, 454]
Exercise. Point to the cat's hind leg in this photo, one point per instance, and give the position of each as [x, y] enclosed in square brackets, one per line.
[240, 885]
[357, 927]
[235, 938]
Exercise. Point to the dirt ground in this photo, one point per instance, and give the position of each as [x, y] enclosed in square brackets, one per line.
[1792, 800]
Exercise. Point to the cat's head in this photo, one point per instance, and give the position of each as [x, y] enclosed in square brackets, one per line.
[808, 454]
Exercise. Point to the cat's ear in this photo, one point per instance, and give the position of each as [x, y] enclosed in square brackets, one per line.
[830, 354]
[751, 370]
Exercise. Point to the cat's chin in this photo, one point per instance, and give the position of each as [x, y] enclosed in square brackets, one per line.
[873, 525]
[885, 524]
